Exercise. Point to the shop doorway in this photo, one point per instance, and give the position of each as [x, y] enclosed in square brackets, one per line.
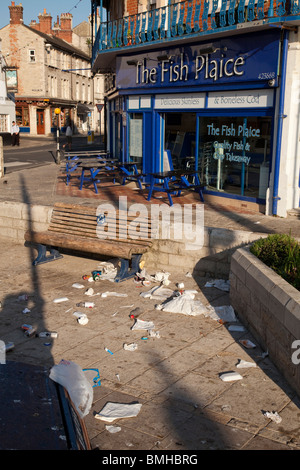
[40, 121]
[180, 138]
[136, 139]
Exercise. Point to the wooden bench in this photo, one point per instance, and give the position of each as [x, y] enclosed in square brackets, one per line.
[112, 233]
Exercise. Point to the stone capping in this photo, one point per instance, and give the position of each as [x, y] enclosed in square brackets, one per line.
[269, 307]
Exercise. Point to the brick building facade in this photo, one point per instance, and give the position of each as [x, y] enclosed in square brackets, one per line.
[52, 73]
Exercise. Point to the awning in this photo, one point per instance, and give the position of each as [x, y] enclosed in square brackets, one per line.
[83, 109]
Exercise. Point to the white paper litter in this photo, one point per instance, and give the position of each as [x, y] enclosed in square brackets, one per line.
[185, 304]
[112, 411]
[90, 292]
[112, 294]
[154, 334]
[77, 285]
[225, 313]
[245, 364]
[108, 270]
[113, 429]
[81, 318]
[158, 293]
[130, 347]
[230, 376]
[160, 276]
[274, 416]
[219, 284]
[142, 325]
[61, 299]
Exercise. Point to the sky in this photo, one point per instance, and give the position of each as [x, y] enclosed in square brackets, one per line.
[80, 10]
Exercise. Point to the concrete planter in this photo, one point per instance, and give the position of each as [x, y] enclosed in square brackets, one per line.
[270, 308]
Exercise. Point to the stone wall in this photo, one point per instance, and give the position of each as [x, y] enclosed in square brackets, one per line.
[270, 308]
[209, 255]
[16, 218]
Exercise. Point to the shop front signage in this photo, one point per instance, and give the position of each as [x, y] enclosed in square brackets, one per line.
[241, 99]
[244, 58]
[180, 101]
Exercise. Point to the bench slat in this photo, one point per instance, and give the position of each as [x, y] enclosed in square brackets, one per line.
[110, 235]
[92, 227]
[93, 221]
[104, 247]
[85, 209]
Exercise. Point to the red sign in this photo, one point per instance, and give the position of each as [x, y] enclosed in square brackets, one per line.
[99, 107]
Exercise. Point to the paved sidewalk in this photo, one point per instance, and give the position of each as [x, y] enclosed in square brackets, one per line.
[175, 377]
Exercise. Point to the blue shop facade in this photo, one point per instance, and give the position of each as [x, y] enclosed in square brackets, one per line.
[205, 105]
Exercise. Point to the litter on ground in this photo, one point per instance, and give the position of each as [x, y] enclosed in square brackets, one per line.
[130, 347]
[142, 325]
[273, 415]
[112, 411]
[230, 376]
[245, 364]
[247, 343]
[219, 284]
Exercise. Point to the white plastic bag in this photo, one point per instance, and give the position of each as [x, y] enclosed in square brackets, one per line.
[71, 376]
[185, 304]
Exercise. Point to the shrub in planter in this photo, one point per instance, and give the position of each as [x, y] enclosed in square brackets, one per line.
[281, 253]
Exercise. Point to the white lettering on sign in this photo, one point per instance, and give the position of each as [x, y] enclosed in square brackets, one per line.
[244, 99]
[180, 101]
[172, 71]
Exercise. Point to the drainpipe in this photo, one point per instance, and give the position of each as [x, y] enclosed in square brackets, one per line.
[280, 122]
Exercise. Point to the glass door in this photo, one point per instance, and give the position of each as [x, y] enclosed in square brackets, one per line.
[180, 138]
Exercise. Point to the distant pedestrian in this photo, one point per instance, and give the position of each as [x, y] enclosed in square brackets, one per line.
[69, 134]
[15, 134]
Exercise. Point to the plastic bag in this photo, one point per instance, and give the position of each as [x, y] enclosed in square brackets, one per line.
[185, 304]
[71, 376]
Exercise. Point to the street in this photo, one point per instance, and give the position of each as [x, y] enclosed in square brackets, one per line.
[31, 153]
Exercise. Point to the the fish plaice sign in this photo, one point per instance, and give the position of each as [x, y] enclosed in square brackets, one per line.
[245, 58]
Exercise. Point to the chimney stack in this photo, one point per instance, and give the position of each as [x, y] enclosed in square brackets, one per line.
[16, 13]
[45, 20]
[65, 27]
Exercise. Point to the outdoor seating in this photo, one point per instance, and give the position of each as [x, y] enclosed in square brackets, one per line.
[80, 228]
[174, 183]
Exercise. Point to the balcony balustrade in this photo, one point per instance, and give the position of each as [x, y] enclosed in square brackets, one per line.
[191, 19]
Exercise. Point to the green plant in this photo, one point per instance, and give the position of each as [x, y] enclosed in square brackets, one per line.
[281, 253]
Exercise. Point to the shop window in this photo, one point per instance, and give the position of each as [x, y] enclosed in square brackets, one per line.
[22, 116]
[234, 154]
[3, 123]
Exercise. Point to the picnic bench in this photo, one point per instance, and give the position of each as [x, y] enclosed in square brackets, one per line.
[113, 233]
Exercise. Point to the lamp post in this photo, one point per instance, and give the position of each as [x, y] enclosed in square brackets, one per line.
[57, 112]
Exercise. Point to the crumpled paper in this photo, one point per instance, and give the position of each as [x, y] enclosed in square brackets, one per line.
[112, 411]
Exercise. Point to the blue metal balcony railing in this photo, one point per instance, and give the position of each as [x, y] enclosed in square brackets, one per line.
[189, 19]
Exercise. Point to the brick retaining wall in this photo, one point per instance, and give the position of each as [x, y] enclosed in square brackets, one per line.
[270, 308]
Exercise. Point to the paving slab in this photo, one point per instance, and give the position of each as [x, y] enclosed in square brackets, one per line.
[185, 404]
